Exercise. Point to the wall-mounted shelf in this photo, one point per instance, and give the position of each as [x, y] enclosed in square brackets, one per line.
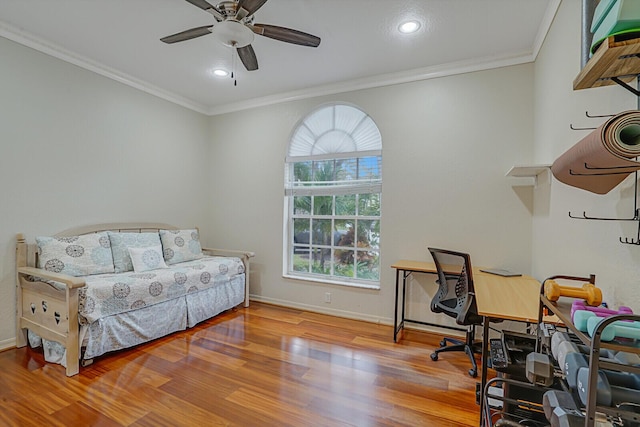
[615, 59]
[528, 174]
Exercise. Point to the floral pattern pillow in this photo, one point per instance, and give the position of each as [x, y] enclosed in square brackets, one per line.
[147, 259]
[180, 245]
[77, 255]
[121, 242]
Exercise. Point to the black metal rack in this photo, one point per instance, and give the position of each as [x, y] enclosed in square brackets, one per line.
[562, 310]
[636, 211]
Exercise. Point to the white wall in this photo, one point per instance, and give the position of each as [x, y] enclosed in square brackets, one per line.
[562, 245]
[77, 148]
[447, 144]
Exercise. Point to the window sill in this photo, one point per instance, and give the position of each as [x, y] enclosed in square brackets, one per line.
[374, 285]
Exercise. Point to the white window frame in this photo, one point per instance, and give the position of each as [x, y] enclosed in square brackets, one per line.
[358, 146]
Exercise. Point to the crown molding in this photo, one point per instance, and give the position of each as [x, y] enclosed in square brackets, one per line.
[449, 69]
[545, 26]
[29, 40]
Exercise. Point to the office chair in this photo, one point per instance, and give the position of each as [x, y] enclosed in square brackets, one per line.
[456, 298]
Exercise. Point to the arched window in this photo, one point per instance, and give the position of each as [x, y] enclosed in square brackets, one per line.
[333, 191]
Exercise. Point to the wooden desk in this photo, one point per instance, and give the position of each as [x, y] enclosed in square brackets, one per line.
[507, 298]
[497, 298]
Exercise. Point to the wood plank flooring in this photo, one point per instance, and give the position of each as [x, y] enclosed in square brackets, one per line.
[258, 366]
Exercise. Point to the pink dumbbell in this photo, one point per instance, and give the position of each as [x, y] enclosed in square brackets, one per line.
[599, 311]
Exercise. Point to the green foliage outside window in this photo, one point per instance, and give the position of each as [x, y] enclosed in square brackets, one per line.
[338, 234]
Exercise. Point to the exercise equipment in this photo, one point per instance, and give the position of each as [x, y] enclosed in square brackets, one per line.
[566, 417]
[620, 329]
[558, 337]
[504, 422]
[599, 311]
[633, 408]
[553, 399]
[539, 369]
[581, 320]
[561, 410]
[576, 361]
[563, 349]
[588, 292]
[561, 345]
[571, 357]
[606, 394]
[627, 358]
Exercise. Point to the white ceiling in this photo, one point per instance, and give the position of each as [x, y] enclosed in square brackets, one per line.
[360, 46]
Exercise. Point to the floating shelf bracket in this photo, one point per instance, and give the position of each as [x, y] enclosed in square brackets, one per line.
[529, 172]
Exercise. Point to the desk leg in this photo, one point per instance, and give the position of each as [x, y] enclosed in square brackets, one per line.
[485, 358]
[403, 303]
[395, 316]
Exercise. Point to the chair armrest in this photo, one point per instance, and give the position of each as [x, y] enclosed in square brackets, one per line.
[70, 281]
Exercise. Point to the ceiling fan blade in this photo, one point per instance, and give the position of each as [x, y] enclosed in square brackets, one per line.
[248, 57]
[187, 34]
[208, 7]
[248, 7]
[286, 35]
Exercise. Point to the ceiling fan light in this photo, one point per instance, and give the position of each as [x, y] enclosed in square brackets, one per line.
[232, 33]
[409, 27]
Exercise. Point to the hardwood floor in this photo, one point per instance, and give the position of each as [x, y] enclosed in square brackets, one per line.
[260, 366]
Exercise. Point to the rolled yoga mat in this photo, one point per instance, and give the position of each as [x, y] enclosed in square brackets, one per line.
[603, 159]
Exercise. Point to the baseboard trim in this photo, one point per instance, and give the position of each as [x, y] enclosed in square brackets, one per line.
[330, 311]
[7, 344]
[352, 315]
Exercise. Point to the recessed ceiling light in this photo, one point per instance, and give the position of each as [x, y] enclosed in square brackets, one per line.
[409, 27]
[219, 72]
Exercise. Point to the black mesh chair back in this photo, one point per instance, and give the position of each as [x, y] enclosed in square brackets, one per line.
[456, 298]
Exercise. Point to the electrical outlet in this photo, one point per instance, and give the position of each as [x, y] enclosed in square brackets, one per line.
[327, 297]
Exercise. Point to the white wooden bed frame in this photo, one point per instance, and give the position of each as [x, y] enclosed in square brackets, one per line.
[53, 313]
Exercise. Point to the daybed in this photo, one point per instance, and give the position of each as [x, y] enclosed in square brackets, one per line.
[96, 289]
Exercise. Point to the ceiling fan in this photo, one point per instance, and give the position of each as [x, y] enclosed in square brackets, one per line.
[235, 28]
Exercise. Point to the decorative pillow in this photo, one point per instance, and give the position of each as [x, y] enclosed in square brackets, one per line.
[145, 259]
[121, 242]
[77, 255]
[180, 245]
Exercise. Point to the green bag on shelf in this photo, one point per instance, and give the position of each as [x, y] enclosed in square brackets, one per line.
[613, 18]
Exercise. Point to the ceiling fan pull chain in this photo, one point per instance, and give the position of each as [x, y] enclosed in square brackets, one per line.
[233, 65]
[233, 62]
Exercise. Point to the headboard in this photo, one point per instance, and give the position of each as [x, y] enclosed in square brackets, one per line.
[27, 254]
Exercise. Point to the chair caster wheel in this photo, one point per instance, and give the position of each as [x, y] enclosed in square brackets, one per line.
[443, 343]
[434, 356]
[473, 373]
